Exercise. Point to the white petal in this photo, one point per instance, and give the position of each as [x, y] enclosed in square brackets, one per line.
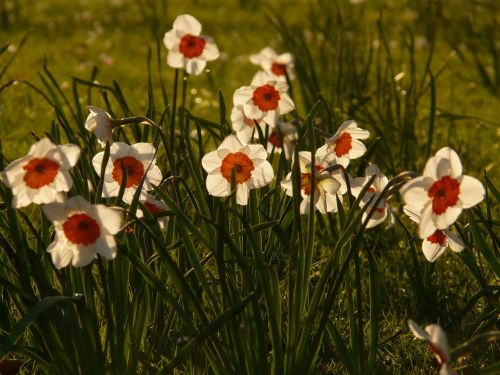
[106, 246]
[328, 185]
[256, 151]
[261, 78]
[358, 149]
[83, 256]
[70, 153]
[262, 175]
[97, 162]
[231, 143]
[119, 150]
[432, 250]
[60, 253]
[286, 104]
[242, 95]
[454, 241]
[427, 226]
[109, 218]
[41, 148]
[359, 133]
[270, 118]
[251, 111]
[142, 151]
[175, 59]
[439, 340]
[153, 177]
[194, 66]
[418, 331]
[412, 214]
[242, 191]
[471, 191]
[210, 52]
[455, 164]
[415, 192]
[431, 168]
[211, 161]
[447, 218]
[187, 24]
[170, 39]
[55, 212]
[217, 185]
[287, 185]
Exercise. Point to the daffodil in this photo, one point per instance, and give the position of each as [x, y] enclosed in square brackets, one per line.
[440, 195]
[324, 189]
[247, 162]
[83, 230]
[187, 48]
[277, 65]
[42, 175]
[139, 162]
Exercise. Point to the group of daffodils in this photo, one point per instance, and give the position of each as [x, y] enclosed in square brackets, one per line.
[83, 230]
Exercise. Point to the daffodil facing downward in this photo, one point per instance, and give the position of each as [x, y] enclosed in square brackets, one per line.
[138, 161]
[440, 195]
[248, 164]
[82, 230]
[154, 206]
[42, 175]
[187, 48]
[438, 344]
[435, 245]
[324, 186]
[382, 210]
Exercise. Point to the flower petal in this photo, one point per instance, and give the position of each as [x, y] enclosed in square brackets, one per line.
[194, 66]
[471, 191]
[418, 331]
[454, 160]
[175, 59]
[454, 241]
[432, 251]
[218, 185]
[211, 161]
[187, 24]
[262, 175]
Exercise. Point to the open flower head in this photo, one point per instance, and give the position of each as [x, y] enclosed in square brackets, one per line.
[155, 206]
[187, 48]
[265, 99]
[325, 188]
[99, 122]
[438, 344]
[382, 210]
[277, 65]
[283, 137]
[251, 169]
[245, 127]
[138, 160]
[440, 195]
[435, 245]
[344, 145]
[83, 230]
[42, 175]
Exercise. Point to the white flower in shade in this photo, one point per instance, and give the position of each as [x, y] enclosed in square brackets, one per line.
[344, 145]
[83, 230]
[187, 48]
[248, 162]
[42, 175]
[99, 122]
[244, 126]
[326, 187]
[283, 137]
[440, 195]
[278, 66]
[265, 99]
[138, 161]
[435, 245]
[383, 209]
[155, 206]
[438, 343]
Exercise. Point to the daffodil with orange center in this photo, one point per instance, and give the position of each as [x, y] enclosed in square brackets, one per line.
[82, 230]
[324, 187]
[248, 164]
[265, 99]
[187, 48]
[278, 66]
[439, 196]
[42, 175]
[344, 145]
[137, 161]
